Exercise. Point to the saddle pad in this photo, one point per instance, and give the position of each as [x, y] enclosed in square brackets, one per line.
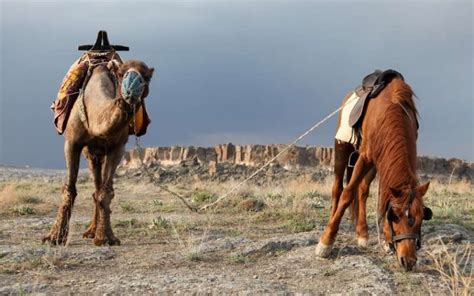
[345, 132]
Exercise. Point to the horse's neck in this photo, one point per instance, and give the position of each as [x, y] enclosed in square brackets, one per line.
[396, 162]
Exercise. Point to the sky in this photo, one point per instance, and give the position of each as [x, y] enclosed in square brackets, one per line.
[245, 72]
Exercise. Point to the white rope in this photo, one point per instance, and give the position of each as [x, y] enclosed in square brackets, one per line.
[276, 156]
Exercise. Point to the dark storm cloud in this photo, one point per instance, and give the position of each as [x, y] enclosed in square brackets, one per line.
[241, 72]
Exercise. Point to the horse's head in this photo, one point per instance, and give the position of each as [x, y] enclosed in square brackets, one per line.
[404, 214]
[134, 77]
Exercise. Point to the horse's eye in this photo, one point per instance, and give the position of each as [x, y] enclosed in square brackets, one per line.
[411, 221]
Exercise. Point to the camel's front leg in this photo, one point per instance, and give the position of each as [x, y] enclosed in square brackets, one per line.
[59, 231]
[327, 238]
[103, 232]
[95, 167]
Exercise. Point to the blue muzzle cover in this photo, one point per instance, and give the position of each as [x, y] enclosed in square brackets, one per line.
[132, 85]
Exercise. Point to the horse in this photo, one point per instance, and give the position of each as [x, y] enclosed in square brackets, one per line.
[98, 126]
[388, 148]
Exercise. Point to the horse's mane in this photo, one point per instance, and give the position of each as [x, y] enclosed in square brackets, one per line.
[403, 94]
[396, 143]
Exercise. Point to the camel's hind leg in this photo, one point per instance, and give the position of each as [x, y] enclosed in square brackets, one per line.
[95, 167]
[59, 231]
[103, 232]
[342, 152]
[361, 228]
[362, 167]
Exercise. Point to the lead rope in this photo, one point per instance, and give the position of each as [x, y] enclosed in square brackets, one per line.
[276, 156]
[150, 175]
[377, 221]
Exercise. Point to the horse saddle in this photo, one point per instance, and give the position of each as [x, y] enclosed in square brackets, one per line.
[371, 86]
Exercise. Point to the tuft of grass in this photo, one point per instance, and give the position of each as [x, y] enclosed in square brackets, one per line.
[157, 202]
[202, 197]
[194, 256]
[126, 207]
[300, 224]
[252, 205]
[240, 259]
[23, 210]
[160, 224]
[127, 223]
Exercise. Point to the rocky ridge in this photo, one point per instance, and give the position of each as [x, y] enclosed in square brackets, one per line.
[256, 155]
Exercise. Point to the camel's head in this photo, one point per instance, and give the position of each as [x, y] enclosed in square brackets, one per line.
[134, 77]
[403, 217]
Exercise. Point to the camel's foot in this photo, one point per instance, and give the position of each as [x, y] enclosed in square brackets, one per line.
[323, 250]
[90, 232]
[109, 239]
[362, 242]
[55, 237]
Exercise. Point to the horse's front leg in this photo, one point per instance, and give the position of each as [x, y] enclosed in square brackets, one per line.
[361, 227]
[348, 194]
[103, 232]
[59, 231]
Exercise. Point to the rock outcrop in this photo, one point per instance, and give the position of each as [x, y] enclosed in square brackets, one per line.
[248, 155]
[294, 158]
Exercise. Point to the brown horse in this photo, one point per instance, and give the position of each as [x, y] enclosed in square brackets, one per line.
[388, 147]
[102, 138]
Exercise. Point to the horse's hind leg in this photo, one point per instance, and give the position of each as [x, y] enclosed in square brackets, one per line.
[59, 231]
[361, 228]
[103, 232]
[95, 166]
[342, 151]
[327, 239]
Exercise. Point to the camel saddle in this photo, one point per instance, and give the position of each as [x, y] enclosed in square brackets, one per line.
[371, 86]
[77, 77]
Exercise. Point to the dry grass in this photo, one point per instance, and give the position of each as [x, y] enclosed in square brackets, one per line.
[23, 198]
[455, 267]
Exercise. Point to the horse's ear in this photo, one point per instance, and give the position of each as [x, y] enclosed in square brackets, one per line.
[421, 190]
[395, 192]
[427, 213]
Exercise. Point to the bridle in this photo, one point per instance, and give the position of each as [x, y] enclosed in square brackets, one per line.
[396, 238]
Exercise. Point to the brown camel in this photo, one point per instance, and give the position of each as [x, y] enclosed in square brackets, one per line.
[99, 127]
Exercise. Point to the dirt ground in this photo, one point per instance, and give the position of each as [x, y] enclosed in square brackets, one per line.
[259, 241]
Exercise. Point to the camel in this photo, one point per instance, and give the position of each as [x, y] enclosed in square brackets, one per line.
[98, 126]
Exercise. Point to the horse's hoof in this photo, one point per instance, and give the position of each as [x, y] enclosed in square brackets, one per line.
[362, 242]
[323, 250]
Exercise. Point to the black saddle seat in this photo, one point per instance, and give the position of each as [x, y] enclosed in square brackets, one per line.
[371, 86]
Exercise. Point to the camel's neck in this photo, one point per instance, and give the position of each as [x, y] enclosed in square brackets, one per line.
[104, 116]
